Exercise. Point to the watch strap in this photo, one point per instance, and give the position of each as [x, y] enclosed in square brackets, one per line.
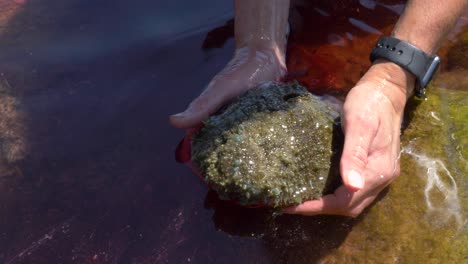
[409, 57]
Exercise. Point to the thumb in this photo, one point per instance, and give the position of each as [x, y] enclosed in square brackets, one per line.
[358, 138]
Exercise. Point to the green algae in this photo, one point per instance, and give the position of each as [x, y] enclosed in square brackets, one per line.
[406, 224]
[273, 146]
[422, 218]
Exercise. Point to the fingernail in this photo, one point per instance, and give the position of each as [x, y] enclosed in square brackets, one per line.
[179, 115]
[355, 179]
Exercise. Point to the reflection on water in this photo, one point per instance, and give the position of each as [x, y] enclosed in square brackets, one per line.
[87, 171]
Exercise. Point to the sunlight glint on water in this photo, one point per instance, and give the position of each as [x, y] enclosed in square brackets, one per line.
[440, 178]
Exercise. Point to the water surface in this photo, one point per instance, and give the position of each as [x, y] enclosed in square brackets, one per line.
[87, 168]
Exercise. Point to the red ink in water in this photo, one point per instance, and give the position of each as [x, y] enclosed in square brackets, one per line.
[183, 150]
[328, 50]
[182, 154]
[92, 179]
[20, 2]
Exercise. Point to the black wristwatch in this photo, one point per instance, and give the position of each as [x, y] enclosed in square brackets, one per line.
[410, 58]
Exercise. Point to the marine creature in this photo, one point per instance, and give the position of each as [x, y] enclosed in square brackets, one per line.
[277, 145]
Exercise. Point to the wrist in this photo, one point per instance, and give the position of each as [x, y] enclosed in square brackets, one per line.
[425, 42]
[270, 49]
[396, 83]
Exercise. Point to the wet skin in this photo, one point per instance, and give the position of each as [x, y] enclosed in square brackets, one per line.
[87, 167]
[371, 148]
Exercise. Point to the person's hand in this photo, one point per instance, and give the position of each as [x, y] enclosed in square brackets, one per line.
[249, 67]
[371, 117]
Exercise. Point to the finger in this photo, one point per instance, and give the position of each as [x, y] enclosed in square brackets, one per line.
[359, 133]
[309, 208]
[201, 108]
[361, 205]
[248, 68]
[223, 86]
[327, 205]
[194, 114]
[331, 204]
[343, 202]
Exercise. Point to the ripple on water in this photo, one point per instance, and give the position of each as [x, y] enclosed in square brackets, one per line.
[441, 191]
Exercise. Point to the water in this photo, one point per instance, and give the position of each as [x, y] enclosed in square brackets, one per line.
[87, 168]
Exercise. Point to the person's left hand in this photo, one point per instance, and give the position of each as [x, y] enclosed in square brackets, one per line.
[371, 117]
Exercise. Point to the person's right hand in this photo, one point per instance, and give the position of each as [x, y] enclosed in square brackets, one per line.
[249, 67]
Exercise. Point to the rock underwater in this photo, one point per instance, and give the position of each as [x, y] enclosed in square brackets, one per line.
[277, 145]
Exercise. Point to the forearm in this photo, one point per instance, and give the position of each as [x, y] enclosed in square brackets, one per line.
[261, 23]
[425, 24]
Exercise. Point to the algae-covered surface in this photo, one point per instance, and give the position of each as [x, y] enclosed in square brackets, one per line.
[273, 146]
[422, 219]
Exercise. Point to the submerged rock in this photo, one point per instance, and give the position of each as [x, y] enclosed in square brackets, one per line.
[274, 146]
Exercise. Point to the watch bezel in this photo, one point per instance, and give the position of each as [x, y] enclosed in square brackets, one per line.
[431, 70]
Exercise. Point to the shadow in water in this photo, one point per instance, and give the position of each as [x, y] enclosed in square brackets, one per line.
[286, 238]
